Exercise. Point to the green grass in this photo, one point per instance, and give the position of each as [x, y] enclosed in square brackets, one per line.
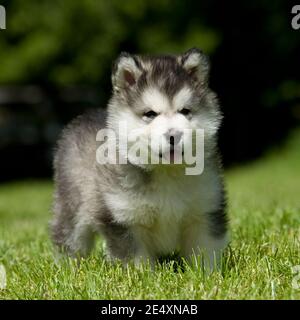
[264, 207]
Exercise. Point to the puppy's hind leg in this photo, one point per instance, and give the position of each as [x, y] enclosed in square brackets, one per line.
[73, 233]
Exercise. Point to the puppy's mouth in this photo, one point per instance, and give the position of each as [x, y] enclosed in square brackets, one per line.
[172, 153]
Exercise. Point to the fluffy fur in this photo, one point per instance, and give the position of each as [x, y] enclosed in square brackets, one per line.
[144, 211]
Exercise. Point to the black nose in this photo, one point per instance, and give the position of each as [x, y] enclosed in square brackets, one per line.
[172, 140]
[173, 137]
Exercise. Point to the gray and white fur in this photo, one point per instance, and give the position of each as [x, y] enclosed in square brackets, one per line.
[144, 212]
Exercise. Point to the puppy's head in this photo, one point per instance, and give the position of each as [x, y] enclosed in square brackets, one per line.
[161, 96]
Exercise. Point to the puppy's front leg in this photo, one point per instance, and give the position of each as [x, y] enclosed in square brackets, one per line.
[198, 241]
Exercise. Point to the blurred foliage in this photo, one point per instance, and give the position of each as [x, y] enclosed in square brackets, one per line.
[74, 41]
[55, 44]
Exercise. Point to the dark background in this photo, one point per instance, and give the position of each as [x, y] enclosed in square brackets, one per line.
[56, 56]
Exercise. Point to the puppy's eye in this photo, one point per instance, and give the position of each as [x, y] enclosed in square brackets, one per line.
[185, 111]
[150, 114]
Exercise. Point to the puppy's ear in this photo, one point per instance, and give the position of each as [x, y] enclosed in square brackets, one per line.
[196, 63]
[126, 71]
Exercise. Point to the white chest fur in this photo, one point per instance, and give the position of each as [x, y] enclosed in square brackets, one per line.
[164, 197]
[158, 212]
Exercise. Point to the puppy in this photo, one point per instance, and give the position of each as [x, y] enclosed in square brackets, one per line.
[144, 210]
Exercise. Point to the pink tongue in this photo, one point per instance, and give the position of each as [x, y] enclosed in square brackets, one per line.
[172, 156]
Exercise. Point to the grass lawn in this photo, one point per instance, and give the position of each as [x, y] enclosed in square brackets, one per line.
[264, 207]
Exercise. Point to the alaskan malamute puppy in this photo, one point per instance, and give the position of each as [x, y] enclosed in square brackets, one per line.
[144, 211]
